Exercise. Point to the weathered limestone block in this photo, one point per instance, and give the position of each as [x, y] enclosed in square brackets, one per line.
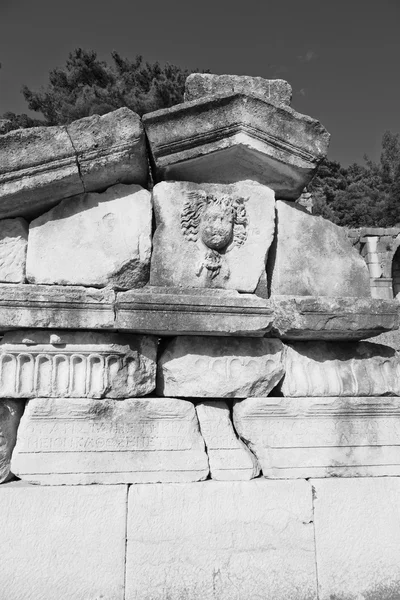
[199, 85]
[314, 257]
[233, 137]
[81, 364]
[321, 437]
[62, 542]
[337, 369]
[80, 441]
[215, 367]
[221, 234]
[357, 530]
[13, 247]
[110, 149]
[226, 540]
[94, 240]
[229, 457]
[10, 415]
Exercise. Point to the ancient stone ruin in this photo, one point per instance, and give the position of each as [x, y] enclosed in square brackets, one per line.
[182, 335]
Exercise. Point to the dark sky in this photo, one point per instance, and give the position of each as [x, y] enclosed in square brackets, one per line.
[342, 57]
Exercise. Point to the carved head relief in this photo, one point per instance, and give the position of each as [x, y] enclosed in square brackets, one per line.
[219, 222]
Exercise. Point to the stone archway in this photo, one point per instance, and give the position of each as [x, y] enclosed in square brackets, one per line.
[396, 272]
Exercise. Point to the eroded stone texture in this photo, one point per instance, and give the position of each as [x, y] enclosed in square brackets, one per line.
[215, 367]
[211, 236]
[335, 369]
[13, 247]
[199, 85]
[110, 149]
[80, 441]
[62, 542]
[314, 257]
[80, 364]
[357, 530]
[229, 457]
[10, 414]
[233, 137]
[225, 540]
[94, 240]
[321, 437]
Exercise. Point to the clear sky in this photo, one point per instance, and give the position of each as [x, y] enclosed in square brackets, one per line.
[342, 57]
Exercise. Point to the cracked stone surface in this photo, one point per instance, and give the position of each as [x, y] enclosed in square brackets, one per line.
[13, 248]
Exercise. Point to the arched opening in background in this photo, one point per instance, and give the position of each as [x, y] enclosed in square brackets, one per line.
[396, 272]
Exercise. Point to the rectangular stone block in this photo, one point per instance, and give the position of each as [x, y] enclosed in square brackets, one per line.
[62, 542]
[341, 369]
[80, 364]
[207, 367]
[222, 540]
[357, 530]
[10, 415]
[79, 441]
[13, 247]
[321, 437]
[229, 457]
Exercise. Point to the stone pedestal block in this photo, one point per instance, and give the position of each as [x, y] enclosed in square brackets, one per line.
[229, 457]
[206, 367]
[321, 437]
[94, 240]
[314, 257]
[233, 137]
[79, 441]
[341, 369]
[63, 364]
[225, 540]
[62, 542]
[13, 247]
[221, 234]
[10, 415]
[199, 85]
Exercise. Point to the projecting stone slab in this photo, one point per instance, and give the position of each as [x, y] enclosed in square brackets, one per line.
[93, 240]
[221, 234]
[62, 542]
[334, 369]
[82, 441]
[13, 247]
[322, 437]
[225, 540]
[229, 457]
[81, 364]
[208, 367]
[233, 137]
[110, 149]
[10, 414]
[357, 530]
[199, 85]
[314, 257]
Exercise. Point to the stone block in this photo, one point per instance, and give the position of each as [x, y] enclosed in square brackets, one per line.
[48, 306]
[337, 369]
[321, 437]
[13, 247]
[232, 137]
[62, 542]
[221, 233]
[93, 240]
[199, 85]
[80, 364]
[229, 457]
[314, 257]
[10, 415]
[110, 149]
[357, 530]
[80, 441]
[214, 367]
[225, 540]
[375, 270]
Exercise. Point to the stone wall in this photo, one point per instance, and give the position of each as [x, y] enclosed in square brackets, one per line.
[188, 409]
